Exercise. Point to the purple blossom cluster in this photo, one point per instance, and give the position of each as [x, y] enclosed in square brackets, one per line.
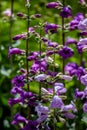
[43, 67]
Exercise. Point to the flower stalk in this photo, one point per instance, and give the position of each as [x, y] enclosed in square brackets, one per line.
[40, 64]
[10, 28]
[11, 22]
[27, 46]
[63, 37]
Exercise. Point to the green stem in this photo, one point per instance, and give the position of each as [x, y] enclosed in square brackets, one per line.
[11, 23]
[63, 41]
[27, 47]
[10, 29]
[40, 65]
[54, 124]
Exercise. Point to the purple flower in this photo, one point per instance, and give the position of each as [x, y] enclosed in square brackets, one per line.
[57, 102]
[66, 52]
[13, 51]
[52, 44]
[31, 30]
[69, 115]
[85, 91]
[7, 12]
[66, 12]
[71, 41]
[16, 90]
[37, 15]
[32, 101]
[80, 72]
[83, 33]
[69, 107]
[42, 118]
[42, 112]
[65, 77]
[38, 66]
[79, 94]
[45, 92]
[51, 73]
[18, 119]
[83, 25]
[51, 52]
[82, 44]
[59, 88]
[84, 79]
[51, 27]
[33, 56]
[74, 69]
[27, 95]
[40, 77]
[85, 107]
[79, 16]
[17, 37]
[18, 81]
[52, 5]
[71, 68]
[29, 98]
[31, 125]
[82, 2]
[14, 101]
[20, 14]
[74, 23]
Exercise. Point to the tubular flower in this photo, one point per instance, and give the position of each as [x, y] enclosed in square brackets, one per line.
[14, 101]
[66, 12]
[18, 81]
[59, 88]
[71, 41]
[31, 125]
[83, 25]
[79, 94]
[85, 107]
[33, 56]
[71, 68]
[52, 5]
[74, 23]
[7, 12]
[66, 52]
[42, 112]
[82, 45]
[38, 66]
[51, 27]
[18, 119]
[84, 79]
[13, 51]
[17, 37]
[82, 2]
[57, 102]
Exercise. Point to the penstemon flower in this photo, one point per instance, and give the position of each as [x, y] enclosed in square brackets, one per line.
[66, 52]
[41, 86]
[18, 81]
[85, 107]
[84, 79]
[13, 51]
[66, 12]
[57, 102]
[52, 5]
[51, 28]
